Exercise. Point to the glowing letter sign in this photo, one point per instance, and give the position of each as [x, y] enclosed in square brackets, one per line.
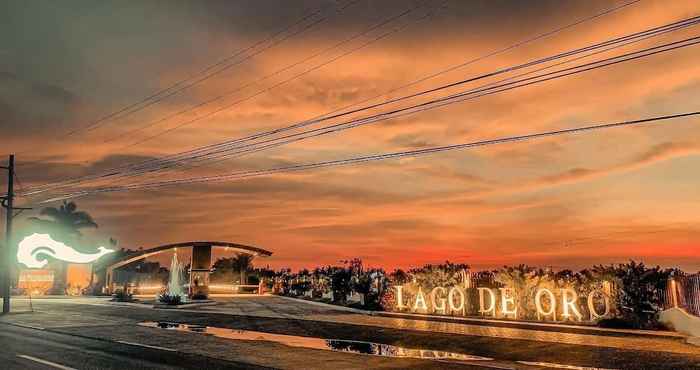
[492, 302]
[439, 304]
[451, 300]
[420, 304]
[508, 301]
[399, 297]
[36, 244]
[561, 304]
[552, 303]
[591, 305]
[569, 298]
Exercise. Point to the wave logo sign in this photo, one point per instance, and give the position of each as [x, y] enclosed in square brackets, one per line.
[36, 246]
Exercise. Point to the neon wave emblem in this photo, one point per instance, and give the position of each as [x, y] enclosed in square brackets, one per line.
[32, 247]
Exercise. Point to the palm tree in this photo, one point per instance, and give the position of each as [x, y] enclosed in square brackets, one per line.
[65, 222]
[242, 263]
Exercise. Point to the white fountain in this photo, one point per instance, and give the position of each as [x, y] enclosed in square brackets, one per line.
[175, 280]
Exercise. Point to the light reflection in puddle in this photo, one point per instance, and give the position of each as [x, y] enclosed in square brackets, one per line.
[339, 345]
[560, 366]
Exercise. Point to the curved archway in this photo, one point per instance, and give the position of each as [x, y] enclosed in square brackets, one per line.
[201, 252]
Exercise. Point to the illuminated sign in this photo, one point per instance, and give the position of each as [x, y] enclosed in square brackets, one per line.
[560, 304]
[32, 247]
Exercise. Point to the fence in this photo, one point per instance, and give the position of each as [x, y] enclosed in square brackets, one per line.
[682, 291]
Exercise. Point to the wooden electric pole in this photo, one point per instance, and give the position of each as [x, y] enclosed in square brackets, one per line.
[7, 256]
[7, 202]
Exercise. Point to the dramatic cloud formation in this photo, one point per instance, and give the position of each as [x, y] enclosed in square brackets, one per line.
[567, 202]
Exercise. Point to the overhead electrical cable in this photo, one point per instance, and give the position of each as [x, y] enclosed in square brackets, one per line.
[355, 122]
[377, 157]
[364, 121]
[640, 36]
[278, 72]
[312, 121]
[451, 99]
[436, 74]
[493, 53]
[211, 158]
[216, 68]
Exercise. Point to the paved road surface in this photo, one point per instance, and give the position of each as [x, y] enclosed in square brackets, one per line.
[26, 348]
[103, 321]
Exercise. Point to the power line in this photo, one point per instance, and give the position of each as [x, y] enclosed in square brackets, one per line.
[377, 157]
[493, 53]
[450, 99]
[509, 69]
[382, 23]
[643, 34]
[212, 158]
[425, 78]
[171, 90]
[484, 90]
[214, 69]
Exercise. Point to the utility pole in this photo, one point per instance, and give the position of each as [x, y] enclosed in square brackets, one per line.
[8, 255]
[7, 202]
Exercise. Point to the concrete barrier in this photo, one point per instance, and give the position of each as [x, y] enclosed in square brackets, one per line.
[682, 322]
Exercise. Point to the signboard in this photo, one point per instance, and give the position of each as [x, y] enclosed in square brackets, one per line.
[35, 281]
[33, 251]
[562, 304]
[514, 295]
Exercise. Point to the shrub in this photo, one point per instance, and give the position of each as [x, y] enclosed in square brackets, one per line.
[123, 296]
[341, 284]
[170, 299]
[640, 300]
[300, 287]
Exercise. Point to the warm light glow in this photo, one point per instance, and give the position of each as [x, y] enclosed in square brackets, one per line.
[223, 286]
[42, 244]
[492, 302]
[451, 300]
[673, 294]
[591, 304]
[569, 298]
[508, 307]
[149, 287]
[439, 304]
[504, 302]
[420, 304]
[552, 303]
[399, 298]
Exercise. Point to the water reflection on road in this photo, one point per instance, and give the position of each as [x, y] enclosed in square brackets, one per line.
[350, 346]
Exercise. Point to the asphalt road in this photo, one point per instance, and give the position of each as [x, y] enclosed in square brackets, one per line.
[81, 334]
[26, 348]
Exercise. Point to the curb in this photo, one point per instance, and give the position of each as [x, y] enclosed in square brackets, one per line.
[528, 325]
[328, 305]
[164, 306]
[574, 329]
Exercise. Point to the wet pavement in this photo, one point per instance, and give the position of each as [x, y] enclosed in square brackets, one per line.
[512, 348]
[287, 308]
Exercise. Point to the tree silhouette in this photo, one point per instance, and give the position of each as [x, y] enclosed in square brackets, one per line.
[65, 221]
[242, 263]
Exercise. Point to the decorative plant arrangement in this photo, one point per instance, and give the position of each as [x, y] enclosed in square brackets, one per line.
[624, 295]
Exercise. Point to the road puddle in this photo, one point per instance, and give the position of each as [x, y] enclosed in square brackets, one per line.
[560, 366]
[339, 345]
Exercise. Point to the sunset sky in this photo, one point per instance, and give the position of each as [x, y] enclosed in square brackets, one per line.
[566, 202]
